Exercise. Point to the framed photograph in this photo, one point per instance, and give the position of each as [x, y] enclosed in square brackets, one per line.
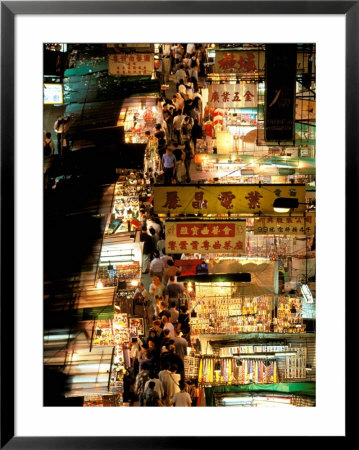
[136, 326]
[26, 26]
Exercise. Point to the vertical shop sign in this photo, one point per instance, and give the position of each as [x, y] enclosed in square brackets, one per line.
[133, 64]
[233, 95]
[280, 92]
[206, 237]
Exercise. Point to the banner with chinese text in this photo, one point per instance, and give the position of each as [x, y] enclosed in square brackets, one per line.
[297, 225]
[233, 95]
[125, 64]
[219, 199]
[206, 237]
[240, 61]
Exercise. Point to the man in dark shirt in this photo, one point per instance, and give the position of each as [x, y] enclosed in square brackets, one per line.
[148, 249]
[183, 322]
[160, 135]
[173, 291]
[168, 118]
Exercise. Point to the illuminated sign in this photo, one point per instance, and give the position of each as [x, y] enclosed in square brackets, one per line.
[124, 64]
[285, 225]
[53, 94]
[206, 237]
[221, 199]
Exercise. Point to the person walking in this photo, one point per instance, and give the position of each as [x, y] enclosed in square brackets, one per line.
[141, 379]
[156, 288]
[169, 166]
[174, 316]
[180, 345]
[188, 158]
[177, 123]
[157, 265]
[172, 291]
[151, 397]
[196, 133]
[148, 249]
[161, 140]
[168, 118]
[49, 145]
[181, 398]
[170, 380]
[186, 128]
[171, 271]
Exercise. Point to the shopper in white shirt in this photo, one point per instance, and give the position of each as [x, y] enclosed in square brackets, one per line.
[157, 265]
[180, 74]
[190, 48]
[181, 398]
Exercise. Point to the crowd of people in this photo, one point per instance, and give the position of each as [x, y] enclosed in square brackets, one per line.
[156, 376]
[182, 125]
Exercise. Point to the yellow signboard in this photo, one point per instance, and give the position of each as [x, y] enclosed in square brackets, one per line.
[206, 237]
[221, 199]
[298, 225]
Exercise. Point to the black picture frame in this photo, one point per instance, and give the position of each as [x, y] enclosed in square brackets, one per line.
[9, 9]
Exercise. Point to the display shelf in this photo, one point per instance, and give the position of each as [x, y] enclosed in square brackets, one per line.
[251, 336]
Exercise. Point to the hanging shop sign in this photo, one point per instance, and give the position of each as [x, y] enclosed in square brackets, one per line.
[219, 199]
[206, 237]
[233, 95]
[240, 61]
[280, 92]
[297, 225]
[132, 64]
[53, 94]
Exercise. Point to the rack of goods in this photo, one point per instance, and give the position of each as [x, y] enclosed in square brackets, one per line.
[227, 315]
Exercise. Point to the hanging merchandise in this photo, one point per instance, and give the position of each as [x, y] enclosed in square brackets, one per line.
[226, 315]
[295, 365]
[237, 372]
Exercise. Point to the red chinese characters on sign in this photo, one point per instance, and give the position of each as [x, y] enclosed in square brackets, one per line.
[227, 62]
[246, 62]
[206, 237]
[248, 96]
[226, 199]
[206, 230]
[232, 95]
[238, 61]
[199, 202]
[172, 200]
[194, 245]
[253, 198]
[236, 97]
[215, 96]
[205, 245]
[225, 96]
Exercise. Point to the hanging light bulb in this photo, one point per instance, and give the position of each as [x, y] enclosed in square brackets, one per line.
[99, 284]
